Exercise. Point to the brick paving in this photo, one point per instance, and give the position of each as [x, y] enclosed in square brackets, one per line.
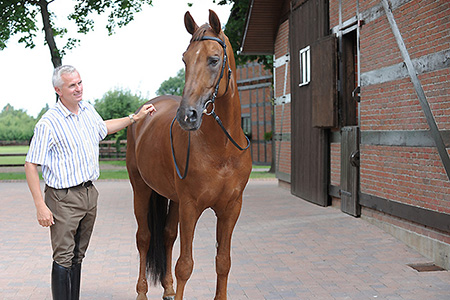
[283, 248]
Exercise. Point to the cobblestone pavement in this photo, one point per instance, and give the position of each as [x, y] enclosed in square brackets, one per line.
[283, 248]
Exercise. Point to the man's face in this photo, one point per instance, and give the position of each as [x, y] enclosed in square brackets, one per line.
[71, 91]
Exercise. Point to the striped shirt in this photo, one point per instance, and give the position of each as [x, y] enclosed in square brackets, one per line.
[66, 145]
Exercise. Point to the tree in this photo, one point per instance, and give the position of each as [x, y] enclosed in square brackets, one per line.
[116, 104]
[15, 124]
[173, 85]
[43, 111]
[19, 18]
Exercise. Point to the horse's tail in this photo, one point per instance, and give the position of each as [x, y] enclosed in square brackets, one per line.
[156, 255]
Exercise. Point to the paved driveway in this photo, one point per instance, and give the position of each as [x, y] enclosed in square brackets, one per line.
[283, 248]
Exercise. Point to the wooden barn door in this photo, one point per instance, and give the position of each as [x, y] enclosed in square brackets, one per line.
[309, 144]
[350, 170]
[350, 136]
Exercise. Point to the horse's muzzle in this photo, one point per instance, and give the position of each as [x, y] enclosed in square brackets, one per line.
[189, 118]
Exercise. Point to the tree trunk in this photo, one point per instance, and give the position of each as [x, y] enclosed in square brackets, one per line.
[49, 38]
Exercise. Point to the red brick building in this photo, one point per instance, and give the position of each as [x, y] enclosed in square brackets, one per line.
[362, 109]
[256, 94]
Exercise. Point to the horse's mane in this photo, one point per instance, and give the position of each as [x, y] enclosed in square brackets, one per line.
[201, 31]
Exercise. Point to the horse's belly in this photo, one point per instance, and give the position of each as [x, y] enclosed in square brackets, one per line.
[152, 148]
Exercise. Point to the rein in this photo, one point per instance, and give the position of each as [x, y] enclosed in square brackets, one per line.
[211, 113]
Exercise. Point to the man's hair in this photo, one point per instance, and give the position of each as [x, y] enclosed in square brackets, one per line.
[58, 72]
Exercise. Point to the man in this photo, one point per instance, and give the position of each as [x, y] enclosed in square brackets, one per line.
[65, 144]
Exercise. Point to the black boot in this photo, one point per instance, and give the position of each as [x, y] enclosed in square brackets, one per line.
[75, 279]
[60, 282]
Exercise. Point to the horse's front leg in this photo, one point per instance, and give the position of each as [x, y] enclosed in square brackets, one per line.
[189, 215]
[170, 235]
[141, 208]
[226, 220]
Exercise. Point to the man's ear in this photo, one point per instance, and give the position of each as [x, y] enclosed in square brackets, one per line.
[58, 91]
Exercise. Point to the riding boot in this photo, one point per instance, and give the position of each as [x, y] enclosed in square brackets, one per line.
[60, 282]
[75, 279]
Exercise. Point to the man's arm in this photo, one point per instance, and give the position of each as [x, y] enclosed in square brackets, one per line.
[115, 125]
[44, 215]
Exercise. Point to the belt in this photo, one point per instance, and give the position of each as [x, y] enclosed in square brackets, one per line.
[85, 184]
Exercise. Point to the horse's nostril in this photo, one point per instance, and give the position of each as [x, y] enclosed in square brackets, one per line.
[191, 116]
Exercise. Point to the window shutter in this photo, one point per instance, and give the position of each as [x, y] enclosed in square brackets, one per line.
[323, 82]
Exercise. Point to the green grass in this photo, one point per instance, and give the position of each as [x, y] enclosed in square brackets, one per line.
[13, 159]
[8, 160]
[113, 174]
[13, 176]
[114, 163]
[261, 175]
[123, 174]
[13, 149]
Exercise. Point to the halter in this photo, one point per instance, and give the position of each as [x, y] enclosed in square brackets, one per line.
[212, 112]
[225, 61]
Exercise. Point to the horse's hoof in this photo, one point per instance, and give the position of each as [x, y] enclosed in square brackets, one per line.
[169, 298]
[141, 297]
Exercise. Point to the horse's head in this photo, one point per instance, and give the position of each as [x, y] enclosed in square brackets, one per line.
[205, 60]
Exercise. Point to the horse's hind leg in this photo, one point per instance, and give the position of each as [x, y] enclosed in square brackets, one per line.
[170, 235]
[226, 220]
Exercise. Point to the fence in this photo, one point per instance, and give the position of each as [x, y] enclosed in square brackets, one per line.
[108, 150]
[113, 150]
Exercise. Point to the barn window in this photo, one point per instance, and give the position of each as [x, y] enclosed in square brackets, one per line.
[247, 126]
[305, 66]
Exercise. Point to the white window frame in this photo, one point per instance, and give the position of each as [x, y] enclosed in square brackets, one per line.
[305, 66]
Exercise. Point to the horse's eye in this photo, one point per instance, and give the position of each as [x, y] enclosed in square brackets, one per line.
[213, 61]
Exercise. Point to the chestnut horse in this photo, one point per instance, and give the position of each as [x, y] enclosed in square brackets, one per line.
[180, 168]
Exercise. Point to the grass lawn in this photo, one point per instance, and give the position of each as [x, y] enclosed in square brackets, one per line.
[121, 173]
[12, 150]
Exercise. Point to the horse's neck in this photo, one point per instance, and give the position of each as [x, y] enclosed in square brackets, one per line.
[229, 108]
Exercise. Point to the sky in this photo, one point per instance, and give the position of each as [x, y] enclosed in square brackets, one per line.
[138, 57]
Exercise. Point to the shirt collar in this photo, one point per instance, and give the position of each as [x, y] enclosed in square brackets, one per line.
[66, 112]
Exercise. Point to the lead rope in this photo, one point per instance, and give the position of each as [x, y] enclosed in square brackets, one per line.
[173, 153]
[216, 117]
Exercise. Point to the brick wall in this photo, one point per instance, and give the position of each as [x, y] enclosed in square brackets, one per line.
[411, 175]
[335, 164]
[282, 109]
[255, 91]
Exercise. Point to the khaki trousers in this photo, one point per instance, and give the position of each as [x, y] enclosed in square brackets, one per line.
[74, 210]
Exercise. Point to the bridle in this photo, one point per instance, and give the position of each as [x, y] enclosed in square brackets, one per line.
[212, 112]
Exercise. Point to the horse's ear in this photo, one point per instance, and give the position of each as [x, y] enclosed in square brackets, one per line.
[189, 22]
[214, 22]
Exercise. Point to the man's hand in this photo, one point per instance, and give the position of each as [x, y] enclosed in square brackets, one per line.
[44, 216]
[147, 109]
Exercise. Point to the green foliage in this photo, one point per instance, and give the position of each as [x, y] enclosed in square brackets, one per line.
[19, 17]
[268, 135]
[117, 104]
[43, 111]
[15, 125]
[234, 29]
[121, 12]
[173, 85]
